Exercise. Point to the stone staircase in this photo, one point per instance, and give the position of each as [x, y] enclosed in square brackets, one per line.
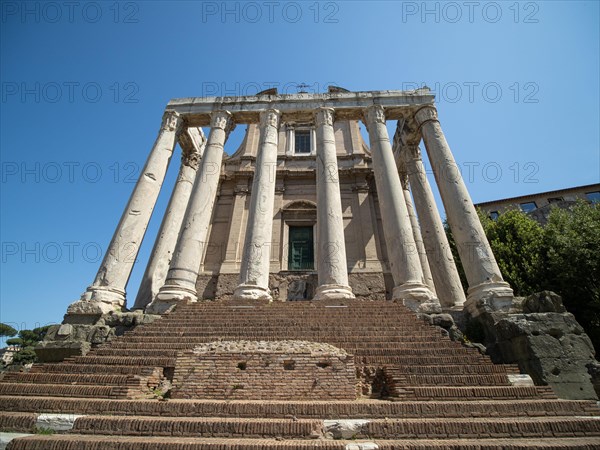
[415, 389]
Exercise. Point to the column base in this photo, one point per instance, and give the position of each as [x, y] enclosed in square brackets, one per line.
[168, 296]
[489, 296]
[333, 292]
[417, 297]
[98, 300]
[252, 292]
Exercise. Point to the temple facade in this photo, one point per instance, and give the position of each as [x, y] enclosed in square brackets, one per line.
[305, 209]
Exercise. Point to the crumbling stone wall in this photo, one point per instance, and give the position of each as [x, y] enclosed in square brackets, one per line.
[265, 370]
[544, 340]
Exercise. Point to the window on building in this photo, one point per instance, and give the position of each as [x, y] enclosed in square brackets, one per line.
[555, 199]
[302, 142]
[593, 197]
[528, 206]
[494, 215]
[300, 250]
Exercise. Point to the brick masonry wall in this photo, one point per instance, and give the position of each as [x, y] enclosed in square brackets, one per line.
[266, 374]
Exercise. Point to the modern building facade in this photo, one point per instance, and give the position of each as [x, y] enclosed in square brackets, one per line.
[538, 205]
[304, 209]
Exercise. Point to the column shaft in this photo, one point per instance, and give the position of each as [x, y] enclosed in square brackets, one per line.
[164, 246]
[443, 268]
[403, 257]
[183, 270]
[480, 266]
[331, 248]
[107, 292]
[256, 256]
[414, 223]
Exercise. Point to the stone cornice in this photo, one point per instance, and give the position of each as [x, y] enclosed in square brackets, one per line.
[301, 107]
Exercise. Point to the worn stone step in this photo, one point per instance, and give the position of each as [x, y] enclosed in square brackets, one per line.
[92, 369]
[383, 360]
[145, 338]
[478, 369]
[126, 360]
[15, 422]
[448, 380]
[363, 409]
[305, 428]
[128, 346]
[87, 442]
[200, 427]
[465, 392]
[63, 390]
[74, 378]
[482, 428]
[250, 333]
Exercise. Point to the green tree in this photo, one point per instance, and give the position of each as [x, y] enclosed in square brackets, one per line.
[516, 241]
[26, 340]
[571, 262]
[7, 330]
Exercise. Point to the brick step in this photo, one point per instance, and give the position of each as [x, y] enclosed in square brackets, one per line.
[64, 390]
[363, 409]
[87, 442]
[260, 335]
[425, 338]
[16, 422]
[226, 321]
[74, 378]
[305, 428]
[128, 346]
[275, 330]
[466, 392]
[125, 360]
[384, 360]
[92, 369]
[457, 379]
[200, 427]
[449, 369]
[392, 351]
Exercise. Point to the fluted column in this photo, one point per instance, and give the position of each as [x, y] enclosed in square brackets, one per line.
[160, 258]
[403, 256]
[481, 269]
[107, 292]
[183, 270]
[443, 268]
[414, 223]
[256, 257]
[331, 248]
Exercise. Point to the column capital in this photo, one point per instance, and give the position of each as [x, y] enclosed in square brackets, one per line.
[427, 113]
[222, 119]
[324, 116]
[171, 121]
[270, 117]
[190, 158]
[374, 113]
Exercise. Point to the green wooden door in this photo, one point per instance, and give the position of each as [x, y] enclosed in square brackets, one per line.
[300, 250]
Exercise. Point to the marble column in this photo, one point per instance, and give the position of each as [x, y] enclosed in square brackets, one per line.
[443, 268]
[107, 292]
[256, 256]
[156, 271]
[481, 269]
[332, 266]
[402, 253]
[414, 223]
[193, 235]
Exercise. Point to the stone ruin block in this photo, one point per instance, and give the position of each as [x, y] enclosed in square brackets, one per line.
[265, 370]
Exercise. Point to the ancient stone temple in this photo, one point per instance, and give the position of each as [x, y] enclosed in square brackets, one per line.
[301, 293]
[304, 209]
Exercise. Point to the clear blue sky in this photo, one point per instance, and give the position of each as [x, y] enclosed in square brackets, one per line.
[84, 87]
